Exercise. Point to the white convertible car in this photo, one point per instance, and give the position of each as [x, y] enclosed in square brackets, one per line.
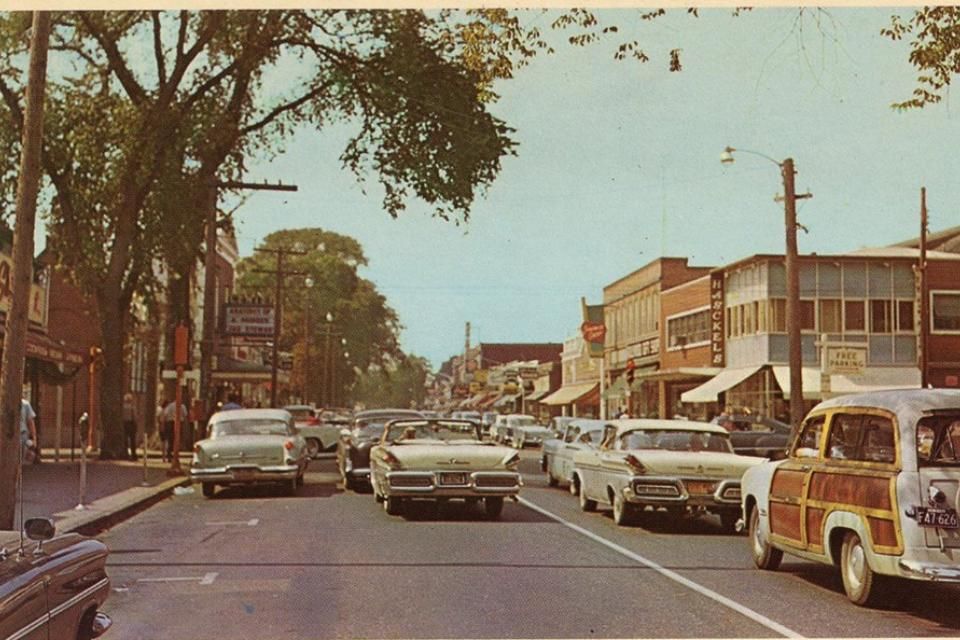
[682, 466]
[441, 460]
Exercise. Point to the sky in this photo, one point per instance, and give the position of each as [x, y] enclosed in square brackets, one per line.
[618, 164]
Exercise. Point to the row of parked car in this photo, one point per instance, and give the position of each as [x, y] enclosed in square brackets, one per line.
[869, 483]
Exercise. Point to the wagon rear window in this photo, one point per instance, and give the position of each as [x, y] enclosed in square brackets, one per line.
[250, 427]
[938, 440]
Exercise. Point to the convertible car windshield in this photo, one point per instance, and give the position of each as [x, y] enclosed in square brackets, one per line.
[421, 430]
[250, 428]
[675, 440]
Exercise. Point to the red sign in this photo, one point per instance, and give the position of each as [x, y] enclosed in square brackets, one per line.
[951, 381]
[593, 331]
[631, 365]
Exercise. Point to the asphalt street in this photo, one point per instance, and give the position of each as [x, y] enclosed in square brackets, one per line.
[331, 564]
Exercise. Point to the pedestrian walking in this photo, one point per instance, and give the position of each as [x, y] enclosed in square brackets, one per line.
[130, 420]
[28, 432]
[169, 415]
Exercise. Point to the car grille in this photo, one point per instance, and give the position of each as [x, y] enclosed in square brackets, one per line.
[410, 481]
[496, 481]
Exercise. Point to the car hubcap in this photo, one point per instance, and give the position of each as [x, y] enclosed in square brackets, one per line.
[856, 565]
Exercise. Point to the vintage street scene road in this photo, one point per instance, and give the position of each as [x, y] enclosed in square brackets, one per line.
[332, 564]
[333, 322]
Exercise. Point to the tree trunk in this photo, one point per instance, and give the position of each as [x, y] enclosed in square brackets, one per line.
[11, 371]
[111, 377]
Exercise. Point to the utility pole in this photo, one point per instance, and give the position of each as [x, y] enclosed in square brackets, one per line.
[795, 350]
[280, 274]
[15, 336]
[924, 302]
[208, 343]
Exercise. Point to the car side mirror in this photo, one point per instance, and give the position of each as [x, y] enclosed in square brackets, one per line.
[39, 529]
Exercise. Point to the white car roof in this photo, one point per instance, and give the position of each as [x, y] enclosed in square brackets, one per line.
[250, 414]
[650, 424]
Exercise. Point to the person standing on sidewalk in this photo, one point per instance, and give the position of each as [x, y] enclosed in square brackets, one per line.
[130, 425]
[28, 432]
[169, 415]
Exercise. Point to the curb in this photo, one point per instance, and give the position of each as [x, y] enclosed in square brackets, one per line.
[102, 514]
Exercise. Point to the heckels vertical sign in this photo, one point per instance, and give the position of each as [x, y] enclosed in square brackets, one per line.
[716, 320]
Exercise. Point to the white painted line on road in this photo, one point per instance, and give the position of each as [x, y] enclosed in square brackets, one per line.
[236, 523]
[672, 575]
[205, 579]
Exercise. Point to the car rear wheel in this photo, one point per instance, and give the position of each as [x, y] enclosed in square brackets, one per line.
[493, 506]
[764, 556]
[586, 504]
[860, 583]
[313, 447]
[728, 520]
[393, 505]
[551, 481]
[209, 489]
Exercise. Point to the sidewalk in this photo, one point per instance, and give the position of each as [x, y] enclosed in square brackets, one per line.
[52, 489]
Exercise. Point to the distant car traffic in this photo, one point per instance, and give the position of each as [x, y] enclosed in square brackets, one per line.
[441, 460]
[506, 425]
[353, 447]
[870, 486]
[249, 446]
[754, 435]
[53, 586]
[682, 466]
[318, 435]
[557, 457]
[525, 435]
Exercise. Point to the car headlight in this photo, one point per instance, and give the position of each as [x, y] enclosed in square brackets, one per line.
[512, 461]
[391, 460]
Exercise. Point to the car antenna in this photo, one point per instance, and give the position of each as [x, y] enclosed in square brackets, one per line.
[20, 553]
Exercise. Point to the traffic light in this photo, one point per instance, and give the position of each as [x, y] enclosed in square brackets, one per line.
[631, 368]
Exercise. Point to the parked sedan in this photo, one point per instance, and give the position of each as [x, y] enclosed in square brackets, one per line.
[52, 586]
[686, 467]
[353, 448]
[441, 460]
[557, 458]
[506, 426]
[320, 435]
[753, 435]
[529, 435]
[249, 446]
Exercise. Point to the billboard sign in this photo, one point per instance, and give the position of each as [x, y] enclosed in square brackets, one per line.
[249, 320]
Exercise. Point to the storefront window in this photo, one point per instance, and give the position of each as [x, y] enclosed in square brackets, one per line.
[778, 315]
[807, 316]
[854, 316]
[830, 316]
[905, 315]
[881, 320]
[946, 312]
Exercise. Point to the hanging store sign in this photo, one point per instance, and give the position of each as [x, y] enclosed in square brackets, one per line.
[593, 329]
[846, 360]
[717, 330]
[249, 320]
[36, 309]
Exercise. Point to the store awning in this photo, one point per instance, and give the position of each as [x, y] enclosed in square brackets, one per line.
[617, 390]
[876, 379]
[810, 377]
[506, 399]
[726, 379]
[43, 347]
[569, 394]
[537, 395]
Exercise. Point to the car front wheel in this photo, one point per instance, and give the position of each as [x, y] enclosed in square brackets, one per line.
[393, 505]
[313, 447]
[623, 512]
[209, 489]
[764, 556]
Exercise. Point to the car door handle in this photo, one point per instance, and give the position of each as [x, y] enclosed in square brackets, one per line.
[570, 447]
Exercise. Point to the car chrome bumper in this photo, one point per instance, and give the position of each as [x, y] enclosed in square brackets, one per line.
[479, 483]
[238, 475]
[99, 625]
[672, 491]
[931, 571]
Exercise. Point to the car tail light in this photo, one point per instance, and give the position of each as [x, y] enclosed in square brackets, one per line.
[196, 448]
[313, 421]
[390, 459]
[635, 465]
[288, 445]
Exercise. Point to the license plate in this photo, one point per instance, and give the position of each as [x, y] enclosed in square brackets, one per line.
[243, 474]
[941, 518]
[453, 478]
[700, 487]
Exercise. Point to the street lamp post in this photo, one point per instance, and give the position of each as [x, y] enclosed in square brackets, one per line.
[308, 283]
[328, 362]
[795, 353]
